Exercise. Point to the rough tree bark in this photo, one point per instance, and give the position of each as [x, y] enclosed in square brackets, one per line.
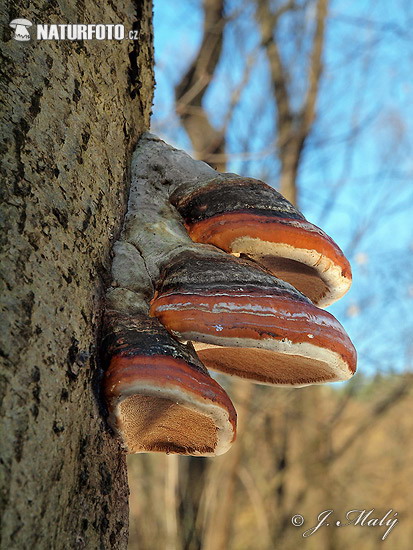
[74, 111]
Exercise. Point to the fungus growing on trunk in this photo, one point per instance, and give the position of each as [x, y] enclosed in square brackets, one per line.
[246, 322]
[241, 318]
[246, 216]
[160, 396]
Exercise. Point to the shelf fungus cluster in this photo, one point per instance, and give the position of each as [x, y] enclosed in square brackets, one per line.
[213, 271]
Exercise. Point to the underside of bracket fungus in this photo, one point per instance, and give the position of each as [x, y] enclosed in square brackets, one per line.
[160, 396]
[246, 322]
[246, 216]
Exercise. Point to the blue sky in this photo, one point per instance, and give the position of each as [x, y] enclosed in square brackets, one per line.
[356, 176]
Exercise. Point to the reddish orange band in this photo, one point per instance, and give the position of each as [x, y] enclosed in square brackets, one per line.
[125, 370]
[287, 320]
[222, 230]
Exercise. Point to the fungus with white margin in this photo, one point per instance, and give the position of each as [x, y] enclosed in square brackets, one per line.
[245, 322]
[159, 396]
[246, 216]
[238, 314]
[297, 342]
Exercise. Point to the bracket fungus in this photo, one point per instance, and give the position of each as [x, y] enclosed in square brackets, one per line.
[245, 321]
[181, 300]
[160, 396]
[246, 216]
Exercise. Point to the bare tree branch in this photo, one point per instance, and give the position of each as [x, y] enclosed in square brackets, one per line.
[315, 69]
[279, 75]
[293, 127]
[190, 91]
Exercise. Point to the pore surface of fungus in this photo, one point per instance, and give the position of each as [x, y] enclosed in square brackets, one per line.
[160, 396]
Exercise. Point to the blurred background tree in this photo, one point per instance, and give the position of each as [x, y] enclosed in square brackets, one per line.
[312, 96]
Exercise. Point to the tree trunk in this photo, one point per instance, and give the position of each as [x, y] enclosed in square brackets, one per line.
[74, 111]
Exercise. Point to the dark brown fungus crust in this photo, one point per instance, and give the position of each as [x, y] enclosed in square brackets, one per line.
[247, 216]
[160, 397]
[246, 322]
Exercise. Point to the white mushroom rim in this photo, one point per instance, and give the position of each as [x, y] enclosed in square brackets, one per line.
[338, 368]
[329, 272]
